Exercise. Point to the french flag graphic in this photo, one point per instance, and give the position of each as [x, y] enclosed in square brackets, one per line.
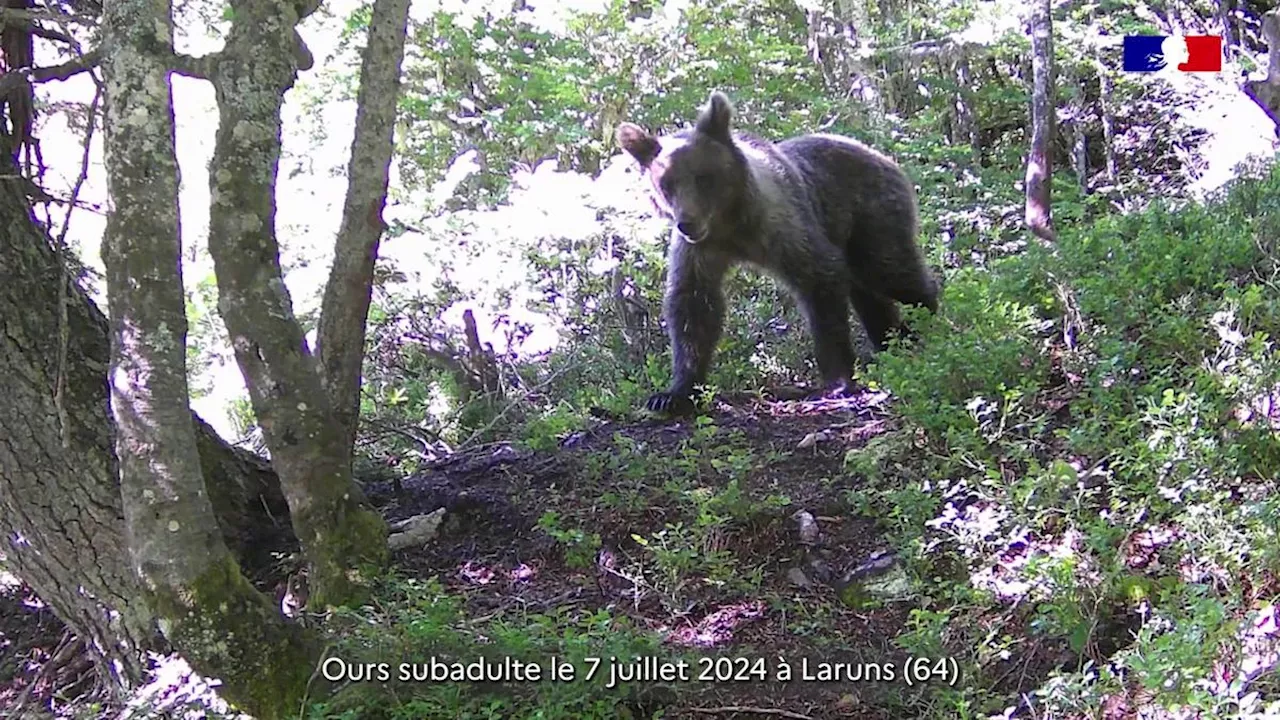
[1187, 53]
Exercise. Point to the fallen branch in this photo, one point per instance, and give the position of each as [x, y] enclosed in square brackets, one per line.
[68, 647]
[752, 710]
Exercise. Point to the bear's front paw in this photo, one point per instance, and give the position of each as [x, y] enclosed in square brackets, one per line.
[841, 388]
[670, 403]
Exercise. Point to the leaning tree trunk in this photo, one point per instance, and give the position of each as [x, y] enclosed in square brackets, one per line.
[345, 311]
[340, 534]
[60, 504]
[1040, 156]
[59, 493]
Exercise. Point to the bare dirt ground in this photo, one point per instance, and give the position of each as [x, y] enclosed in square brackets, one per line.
[492, 551]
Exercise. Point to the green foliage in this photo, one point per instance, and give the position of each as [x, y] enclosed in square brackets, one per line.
[417, 622]
[579, 547]
[1078, 458]
[518, 90]
[518, 93]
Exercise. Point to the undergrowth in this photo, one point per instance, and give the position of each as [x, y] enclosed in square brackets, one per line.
[1080, 486]
[1088, 431]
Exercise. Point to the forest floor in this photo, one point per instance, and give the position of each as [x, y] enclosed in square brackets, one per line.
[688, 534]
[685, 531]
[691, 531]
[30, 635]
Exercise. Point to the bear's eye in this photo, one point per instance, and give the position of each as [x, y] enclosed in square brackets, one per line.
[704, 180]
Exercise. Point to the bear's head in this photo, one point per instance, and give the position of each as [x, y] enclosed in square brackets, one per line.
[699, 178]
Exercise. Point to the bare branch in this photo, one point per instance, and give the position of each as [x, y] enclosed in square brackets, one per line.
[50, 34]
[67, 70]
[17, 16]
[202, 67]
[944, 47]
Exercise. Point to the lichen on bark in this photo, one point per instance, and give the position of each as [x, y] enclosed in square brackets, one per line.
[343, 538]
[204, 607]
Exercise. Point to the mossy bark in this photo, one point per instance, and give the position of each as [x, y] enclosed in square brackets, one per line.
[220, 621]
[203, 605]
[341, 535]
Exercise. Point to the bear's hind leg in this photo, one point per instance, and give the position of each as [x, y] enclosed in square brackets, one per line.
[826, 307]
[917, 288]
[879, 315]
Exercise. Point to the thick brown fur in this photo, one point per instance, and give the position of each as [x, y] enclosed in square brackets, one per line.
[832, 219]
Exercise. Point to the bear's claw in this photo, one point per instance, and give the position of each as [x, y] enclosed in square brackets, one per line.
[670, 404]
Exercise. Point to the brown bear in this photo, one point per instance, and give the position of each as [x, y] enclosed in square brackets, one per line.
[829, 217]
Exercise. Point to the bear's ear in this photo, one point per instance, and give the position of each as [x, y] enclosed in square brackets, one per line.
[715, 118]
[642, 146]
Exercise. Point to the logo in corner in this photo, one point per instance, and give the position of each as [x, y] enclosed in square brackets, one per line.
[1184, 53]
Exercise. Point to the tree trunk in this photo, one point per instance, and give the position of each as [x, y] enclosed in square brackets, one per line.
[60, 504]
[966, 107]
[1040, 158]
[1080, 156]
[1266, 93]
[205, 606]
[345, 310]
[1080, 138]
[59, 498]
[340, 534]
[1230, 40]
[857, 16]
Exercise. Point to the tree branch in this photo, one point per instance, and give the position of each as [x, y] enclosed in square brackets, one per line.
[67, 70]
[344, 310]
[202, 67]
[17, 17]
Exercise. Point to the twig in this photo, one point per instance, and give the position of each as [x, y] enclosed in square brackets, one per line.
[403, 431]
[64, 71]
[315, 673]
[554, 601]
[59, 658]
[748, 709]
[552, 378]
[64, 329]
